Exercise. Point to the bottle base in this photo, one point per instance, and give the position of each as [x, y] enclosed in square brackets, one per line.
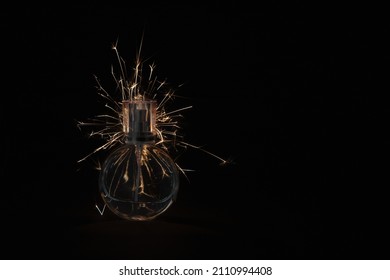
[137, 211]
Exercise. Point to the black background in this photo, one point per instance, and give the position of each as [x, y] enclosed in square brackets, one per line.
[293, 93]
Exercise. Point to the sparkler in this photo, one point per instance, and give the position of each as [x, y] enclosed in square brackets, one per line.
[138, 180]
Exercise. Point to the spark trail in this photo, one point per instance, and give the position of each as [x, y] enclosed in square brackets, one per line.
[132, 86]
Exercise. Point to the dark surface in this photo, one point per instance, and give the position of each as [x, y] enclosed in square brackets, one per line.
[294, 94]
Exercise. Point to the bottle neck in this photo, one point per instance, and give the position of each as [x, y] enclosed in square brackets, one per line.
[139, 141]
[139, 121]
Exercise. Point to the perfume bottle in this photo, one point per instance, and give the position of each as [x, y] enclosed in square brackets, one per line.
[139, 180]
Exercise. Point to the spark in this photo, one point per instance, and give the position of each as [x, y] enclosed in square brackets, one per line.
[101, 211]
[109, 126]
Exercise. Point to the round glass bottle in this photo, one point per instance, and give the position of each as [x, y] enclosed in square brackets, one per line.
[139, 180]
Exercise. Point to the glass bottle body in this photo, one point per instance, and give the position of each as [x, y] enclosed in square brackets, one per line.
[138, 181]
